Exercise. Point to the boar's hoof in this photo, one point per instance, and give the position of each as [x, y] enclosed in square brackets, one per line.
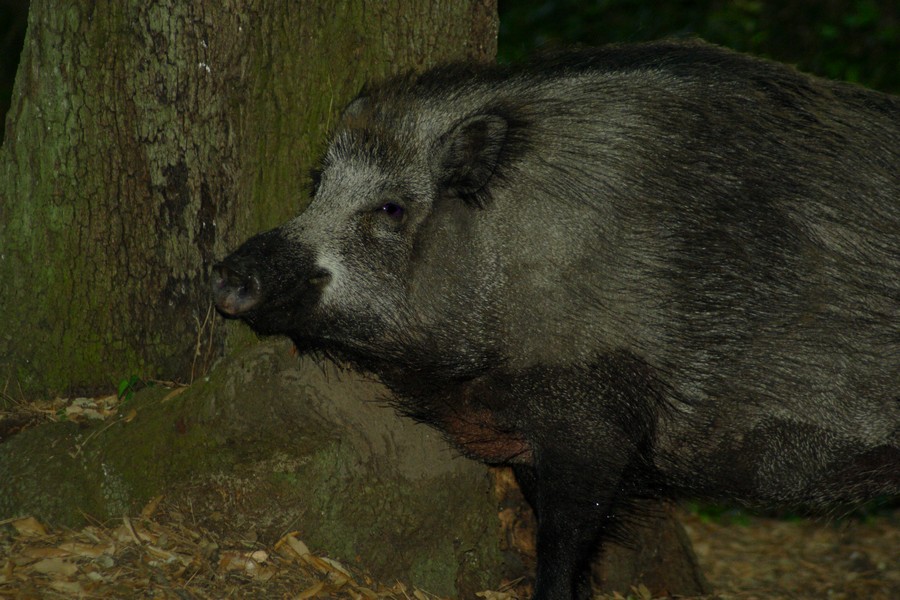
[234, 293]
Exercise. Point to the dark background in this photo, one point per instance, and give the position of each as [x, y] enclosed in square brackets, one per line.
[854, 40]
[13, 17]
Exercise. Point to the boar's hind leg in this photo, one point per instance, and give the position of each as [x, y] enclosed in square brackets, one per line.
[570, 525]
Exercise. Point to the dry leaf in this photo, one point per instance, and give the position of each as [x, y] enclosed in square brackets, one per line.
[72, 588]
[29, 526]
[126, 535]
[151, 507]
[291, 547]
[248, 563]
[173, 393]
[491, 595]
[128, 531]
[87, 550]
[44, 553]
[310, 592]
[335, 566]
[73, 411]
[364, 592]
[107, 401]
[320, 565]
[165, 555]
[55, 566]
[236, 561]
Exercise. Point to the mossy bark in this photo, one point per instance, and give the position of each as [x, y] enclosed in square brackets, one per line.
[145, 138]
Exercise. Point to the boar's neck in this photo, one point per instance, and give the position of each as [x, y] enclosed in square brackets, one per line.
[507, 416]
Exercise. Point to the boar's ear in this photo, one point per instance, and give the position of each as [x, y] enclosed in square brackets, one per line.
[469, 153]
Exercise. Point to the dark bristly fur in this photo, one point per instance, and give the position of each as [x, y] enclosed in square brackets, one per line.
[661, 270]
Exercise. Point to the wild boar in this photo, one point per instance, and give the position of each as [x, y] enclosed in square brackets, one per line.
[643, 271]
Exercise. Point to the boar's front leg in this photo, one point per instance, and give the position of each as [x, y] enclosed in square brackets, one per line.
[573, 509]
[590, 431]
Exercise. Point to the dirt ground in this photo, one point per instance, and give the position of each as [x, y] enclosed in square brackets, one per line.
[162, 554]
[769, 559]
[165, 553]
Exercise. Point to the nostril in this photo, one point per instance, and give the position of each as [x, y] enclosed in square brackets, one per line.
[234, 292]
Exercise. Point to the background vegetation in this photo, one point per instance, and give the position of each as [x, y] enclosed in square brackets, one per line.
[853, 40]
[13, 16]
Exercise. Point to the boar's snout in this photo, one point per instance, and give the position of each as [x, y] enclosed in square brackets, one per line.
[271, 282]
[253, 272]
[235, 291]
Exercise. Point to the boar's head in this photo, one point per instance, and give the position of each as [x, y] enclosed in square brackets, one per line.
[387, 259]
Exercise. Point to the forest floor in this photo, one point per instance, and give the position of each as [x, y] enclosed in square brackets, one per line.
[165, 553]
[161, 554]
[757, 558]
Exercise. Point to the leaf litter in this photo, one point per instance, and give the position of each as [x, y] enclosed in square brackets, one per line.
[162, 555]
[142, 557]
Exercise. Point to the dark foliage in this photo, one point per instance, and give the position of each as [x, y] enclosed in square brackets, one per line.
[853, 40]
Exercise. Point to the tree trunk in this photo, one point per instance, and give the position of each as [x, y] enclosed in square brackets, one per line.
[146, 138]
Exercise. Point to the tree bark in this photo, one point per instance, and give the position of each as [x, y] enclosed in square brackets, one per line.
[146, 138]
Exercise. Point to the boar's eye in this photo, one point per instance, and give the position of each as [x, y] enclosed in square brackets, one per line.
[392, 210]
